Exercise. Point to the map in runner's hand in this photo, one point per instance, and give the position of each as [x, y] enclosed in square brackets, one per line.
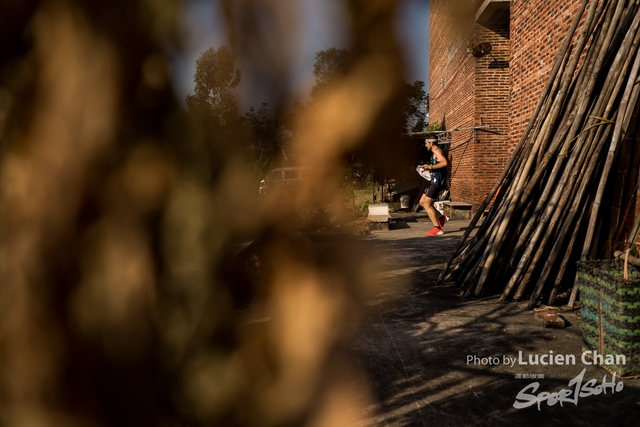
[425, 173]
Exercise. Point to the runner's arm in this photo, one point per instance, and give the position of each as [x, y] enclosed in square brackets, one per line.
[441, 160]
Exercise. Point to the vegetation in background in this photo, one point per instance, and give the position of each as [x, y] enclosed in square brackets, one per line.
[266, 143]
[330, 64]
[266, 139]
[262, 140]
[213, 105]
[432, 127]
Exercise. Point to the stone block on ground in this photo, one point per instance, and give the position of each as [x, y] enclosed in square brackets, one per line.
[457, 210]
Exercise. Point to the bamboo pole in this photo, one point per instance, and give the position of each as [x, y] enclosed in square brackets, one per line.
[567, 126]
[497, 241]
[632, 260]
[611, 17]
[567, 254]
[476, 244]
[505, 180]
[629, 44]
[617, 132]
[558, 62]
[530, 223]
[635, 231]
[578, 193]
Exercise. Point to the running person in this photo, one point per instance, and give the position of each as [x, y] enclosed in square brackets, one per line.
[438, 167]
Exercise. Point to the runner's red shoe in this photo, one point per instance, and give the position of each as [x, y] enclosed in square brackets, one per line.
[442, 220]
[434, 232]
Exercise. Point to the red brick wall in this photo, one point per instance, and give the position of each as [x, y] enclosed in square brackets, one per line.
[452, 90]
[538, 28]
[491, 109]
[467, 92]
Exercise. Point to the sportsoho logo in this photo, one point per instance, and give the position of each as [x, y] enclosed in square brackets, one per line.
[577, 387]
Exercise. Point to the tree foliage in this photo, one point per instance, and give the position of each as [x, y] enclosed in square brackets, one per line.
[213, 102]
[265, 138]
[414, 110]
[330, 64]
[293, 124]
[266, 135]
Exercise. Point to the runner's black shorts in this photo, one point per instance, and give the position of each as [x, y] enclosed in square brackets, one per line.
[431, 191]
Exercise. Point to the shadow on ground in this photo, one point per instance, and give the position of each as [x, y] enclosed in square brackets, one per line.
[417, 337]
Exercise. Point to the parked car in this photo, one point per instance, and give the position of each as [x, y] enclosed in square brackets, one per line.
[286, 176]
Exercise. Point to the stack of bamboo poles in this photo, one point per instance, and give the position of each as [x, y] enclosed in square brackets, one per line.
[546, 203]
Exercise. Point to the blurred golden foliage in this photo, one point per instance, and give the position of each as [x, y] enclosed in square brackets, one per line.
[118, 269]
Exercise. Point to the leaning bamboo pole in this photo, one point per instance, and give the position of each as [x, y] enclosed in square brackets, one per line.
[530, 232]
[566, 74]
[539, 242]
[558, 178]
[577, 196]
[617, 132]
[510, 163]
[626, 52]
[474, 246]
[568, 252]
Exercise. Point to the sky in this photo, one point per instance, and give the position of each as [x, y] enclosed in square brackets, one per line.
[323, 23]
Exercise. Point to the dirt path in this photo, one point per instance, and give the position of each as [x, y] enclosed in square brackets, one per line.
[417, 340]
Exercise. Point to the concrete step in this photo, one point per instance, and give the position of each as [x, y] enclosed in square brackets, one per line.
[457, 210]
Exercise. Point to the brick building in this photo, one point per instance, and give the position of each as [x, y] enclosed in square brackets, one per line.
[489, 96]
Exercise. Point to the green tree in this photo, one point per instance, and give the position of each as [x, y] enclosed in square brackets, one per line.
[293, 124]
[363, 164]
[213, 102]
[414, 109]
[266, 136]
[330, 64]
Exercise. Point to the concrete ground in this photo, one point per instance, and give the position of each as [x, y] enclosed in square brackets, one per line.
[418, 344]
